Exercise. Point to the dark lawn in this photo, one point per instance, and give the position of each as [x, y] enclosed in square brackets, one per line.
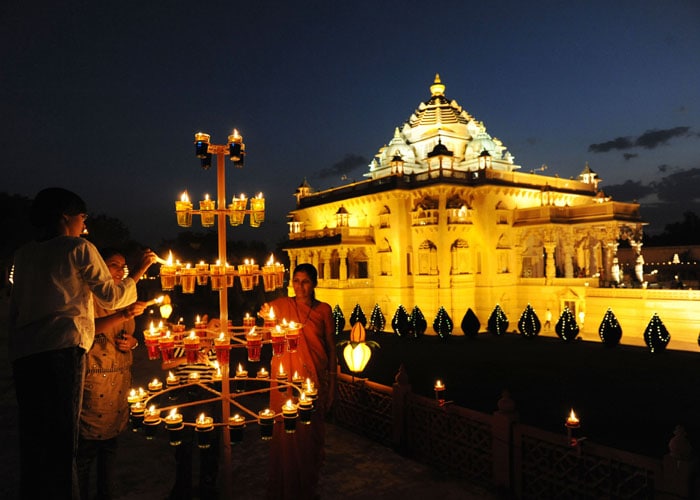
[626, 397]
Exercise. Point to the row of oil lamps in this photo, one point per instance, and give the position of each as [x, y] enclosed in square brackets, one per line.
[148, 418]
[174, 274]
[236, 210]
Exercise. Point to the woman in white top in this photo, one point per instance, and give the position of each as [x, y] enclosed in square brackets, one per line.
[51, 324]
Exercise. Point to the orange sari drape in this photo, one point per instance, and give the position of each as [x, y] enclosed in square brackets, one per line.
[296, 458]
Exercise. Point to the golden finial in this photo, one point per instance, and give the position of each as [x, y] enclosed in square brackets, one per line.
[437, 88]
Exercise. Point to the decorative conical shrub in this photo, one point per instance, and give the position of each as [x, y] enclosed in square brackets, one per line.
[566, 326]
[338, 320]
[470, 324]
[655, 335]
[358, 315]
[529, 324]
[610, 331]
[377, 322]
[418, 323]
[443, 323]
[400, 322]
[498, 322]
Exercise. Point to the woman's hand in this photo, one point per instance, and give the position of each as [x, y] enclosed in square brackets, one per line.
[135, 309]
[264, 311]
[126, 342]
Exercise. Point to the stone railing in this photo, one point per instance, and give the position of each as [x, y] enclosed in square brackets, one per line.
[495, 451]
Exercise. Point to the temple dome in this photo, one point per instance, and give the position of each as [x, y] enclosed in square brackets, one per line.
[440, 124]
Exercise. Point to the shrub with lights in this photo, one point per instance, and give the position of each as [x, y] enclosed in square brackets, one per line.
[443, 324]
[498, 322]
[377, 322]
[610, 331]
[358, 315]
[566, 326]
[470, 324]
[656, 335]
[338, 320]
[529, 324]
[400, 323]
[417, 322]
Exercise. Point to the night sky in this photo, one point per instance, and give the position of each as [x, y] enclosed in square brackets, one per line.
[104, 97]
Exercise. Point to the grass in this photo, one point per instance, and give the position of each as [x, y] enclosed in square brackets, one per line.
[625, 396]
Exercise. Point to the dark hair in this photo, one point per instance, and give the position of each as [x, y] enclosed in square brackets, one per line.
[108, 252]
[52, 203]
[310, 270]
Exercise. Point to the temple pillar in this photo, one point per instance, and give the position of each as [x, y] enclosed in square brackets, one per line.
[550, 269]
[343, 254]
[326, 259]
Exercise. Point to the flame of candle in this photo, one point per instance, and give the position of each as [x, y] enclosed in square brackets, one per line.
[271, 260]
[221, 336]
[173, 413]
[171, 375]
[272, 313]
[289, 405]
[309, 385]
[281, 371]
[184, 197]
[573, 419]
[438, 384]
[169, 260]
[303, 396]
[132, 393]
[202, 418]
[240, 368]
[192, 335]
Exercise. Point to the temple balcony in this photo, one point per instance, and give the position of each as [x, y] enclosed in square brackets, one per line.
[332, 236]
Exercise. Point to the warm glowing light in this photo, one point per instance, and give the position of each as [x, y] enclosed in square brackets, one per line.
[357, 356]
[184, 197]
[572, 420]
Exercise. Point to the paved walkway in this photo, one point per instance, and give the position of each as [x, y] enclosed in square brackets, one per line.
[355, 469]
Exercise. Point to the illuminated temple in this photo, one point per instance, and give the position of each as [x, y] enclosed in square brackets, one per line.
[447, 218]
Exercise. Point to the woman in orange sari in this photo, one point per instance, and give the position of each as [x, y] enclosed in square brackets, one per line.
[296, 458]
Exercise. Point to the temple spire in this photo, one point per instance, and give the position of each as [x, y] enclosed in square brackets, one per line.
[437, 88]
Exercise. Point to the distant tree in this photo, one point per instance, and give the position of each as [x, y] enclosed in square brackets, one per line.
[656, 335]
[358, 315]
[610, 331]
[377, 322]
[470, 324]
[443, 323]
[338, 320]
[529, 324]
[400, 322]
[498, 322]
[566, 326]
[685, 232]
[418, 323]
[105, 231]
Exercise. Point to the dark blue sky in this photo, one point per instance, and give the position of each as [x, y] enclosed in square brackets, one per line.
[104, 97]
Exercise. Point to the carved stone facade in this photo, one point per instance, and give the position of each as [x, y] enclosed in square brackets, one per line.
[446, 218]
